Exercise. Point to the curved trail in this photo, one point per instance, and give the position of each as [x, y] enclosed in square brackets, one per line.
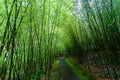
[66, 73]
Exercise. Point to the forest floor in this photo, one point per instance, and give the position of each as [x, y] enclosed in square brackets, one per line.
[66, 69]
[62, 71]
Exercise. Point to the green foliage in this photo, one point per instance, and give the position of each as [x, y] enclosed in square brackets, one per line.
[34, 32]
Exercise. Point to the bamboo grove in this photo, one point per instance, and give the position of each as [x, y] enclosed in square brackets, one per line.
[34, 32]
[95, 37]
[28, 39]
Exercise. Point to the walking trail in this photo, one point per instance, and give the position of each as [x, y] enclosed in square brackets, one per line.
[66, 73]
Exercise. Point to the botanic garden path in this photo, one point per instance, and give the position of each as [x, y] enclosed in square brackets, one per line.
[66, 73]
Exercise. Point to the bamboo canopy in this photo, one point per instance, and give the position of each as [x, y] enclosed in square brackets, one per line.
[33, 33]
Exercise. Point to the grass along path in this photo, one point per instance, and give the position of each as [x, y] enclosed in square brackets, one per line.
[81, 73]
[55, 71]
[66, 72]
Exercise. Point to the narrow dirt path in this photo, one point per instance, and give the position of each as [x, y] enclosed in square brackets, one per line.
[66, 73]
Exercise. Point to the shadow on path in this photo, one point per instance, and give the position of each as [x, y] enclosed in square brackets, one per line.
[66, 73]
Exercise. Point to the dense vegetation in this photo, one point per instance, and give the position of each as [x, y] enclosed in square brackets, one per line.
[34, 32]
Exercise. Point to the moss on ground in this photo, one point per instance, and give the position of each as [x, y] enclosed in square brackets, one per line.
[81, 73]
